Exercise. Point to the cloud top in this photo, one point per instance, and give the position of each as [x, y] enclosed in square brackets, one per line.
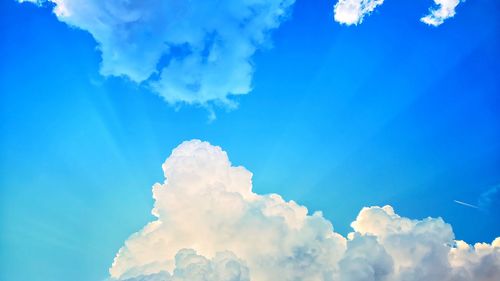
[351, 12]
[194, 52]
[437, 15]
[210, 225]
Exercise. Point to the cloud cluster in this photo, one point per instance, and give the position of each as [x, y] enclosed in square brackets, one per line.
[445, 10]
[353, 11]
[193, 52]
[208, 206]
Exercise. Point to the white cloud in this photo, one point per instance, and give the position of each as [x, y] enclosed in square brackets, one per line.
[193, 52]
[353, 11]
[189, 266]
[445, 10]
[207, 205]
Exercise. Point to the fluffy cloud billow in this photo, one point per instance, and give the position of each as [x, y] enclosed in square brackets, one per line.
[437, 15]
[211, 226]
[193, 52]
[189, 266]
[353, 11]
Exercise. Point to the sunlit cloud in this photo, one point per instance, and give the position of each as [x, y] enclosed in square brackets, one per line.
[210, 225]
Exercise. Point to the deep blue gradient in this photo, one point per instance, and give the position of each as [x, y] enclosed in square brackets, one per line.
[388, 112]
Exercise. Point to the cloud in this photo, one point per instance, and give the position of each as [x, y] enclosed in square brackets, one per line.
[194, 52]
[445, 10]
[189, 266]
[489, 201]
[208, 206]
[353, 11]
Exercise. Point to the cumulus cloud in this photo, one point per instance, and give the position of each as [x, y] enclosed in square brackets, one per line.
[189, 266]
[207, 205]
[353, 11]
[194, 52]
[437, 15]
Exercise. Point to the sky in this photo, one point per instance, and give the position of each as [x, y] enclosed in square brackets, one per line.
[336, 106]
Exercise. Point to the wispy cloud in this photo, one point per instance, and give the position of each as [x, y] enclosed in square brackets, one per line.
[490, 199]
[206, 207]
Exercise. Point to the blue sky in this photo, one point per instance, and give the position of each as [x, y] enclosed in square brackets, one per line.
[391, 111]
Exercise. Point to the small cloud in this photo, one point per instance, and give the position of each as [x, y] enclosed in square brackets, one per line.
[490, 199]
[445, 9]
[351, 12]
[207, 205]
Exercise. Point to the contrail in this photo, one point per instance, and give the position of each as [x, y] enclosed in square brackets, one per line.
[466, 204]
